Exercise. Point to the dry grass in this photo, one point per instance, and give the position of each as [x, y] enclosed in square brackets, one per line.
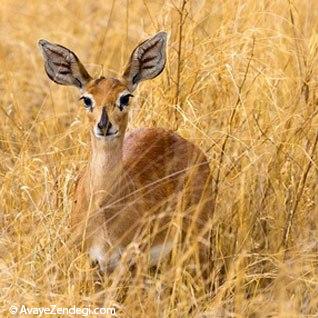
[241, 82]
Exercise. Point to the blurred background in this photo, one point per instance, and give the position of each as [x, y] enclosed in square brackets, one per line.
[240, 82]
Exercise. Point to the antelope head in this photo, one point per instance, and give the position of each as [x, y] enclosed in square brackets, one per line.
[106, 99]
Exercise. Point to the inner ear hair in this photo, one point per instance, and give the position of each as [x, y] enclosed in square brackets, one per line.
[147, 60]
[62, 65]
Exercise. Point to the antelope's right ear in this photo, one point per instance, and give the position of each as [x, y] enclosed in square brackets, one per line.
[147, 60]
[62, 65]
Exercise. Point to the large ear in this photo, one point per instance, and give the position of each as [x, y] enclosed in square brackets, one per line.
[147, 60]
[62, 65]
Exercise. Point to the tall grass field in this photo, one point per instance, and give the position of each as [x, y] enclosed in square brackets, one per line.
[240, 82]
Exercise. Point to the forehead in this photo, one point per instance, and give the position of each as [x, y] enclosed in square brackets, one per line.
[105, 89]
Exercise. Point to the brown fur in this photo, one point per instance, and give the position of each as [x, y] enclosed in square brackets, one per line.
[137, 178]
[132, 185]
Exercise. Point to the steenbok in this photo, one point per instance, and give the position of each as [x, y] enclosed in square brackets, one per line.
[139, 189]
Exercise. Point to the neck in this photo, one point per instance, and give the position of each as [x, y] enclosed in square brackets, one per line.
[106, 167]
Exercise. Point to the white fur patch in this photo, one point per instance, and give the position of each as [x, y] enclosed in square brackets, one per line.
[158, 252]
[96, 253]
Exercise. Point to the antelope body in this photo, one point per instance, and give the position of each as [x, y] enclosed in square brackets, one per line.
[133, 181]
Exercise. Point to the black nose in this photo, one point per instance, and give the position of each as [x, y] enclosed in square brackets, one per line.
[104, 122]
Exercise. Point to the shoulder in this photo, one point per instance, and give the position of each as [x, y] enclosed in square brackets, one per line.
[159, 137]
[158, 141]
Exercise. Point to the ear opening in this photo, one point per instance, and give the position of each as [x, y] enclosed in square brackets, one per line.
[147, 60]
[62, 65]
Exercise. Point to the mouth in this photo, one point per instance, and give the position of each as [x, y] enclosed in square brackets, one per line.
[106, 133]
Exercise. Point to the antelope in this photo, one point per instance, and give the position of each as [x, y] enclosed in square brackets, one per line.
[132, 180]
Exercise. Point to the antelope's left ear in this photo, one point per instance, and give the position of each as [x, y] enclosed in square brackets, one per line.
[62, 65]
[147, 60]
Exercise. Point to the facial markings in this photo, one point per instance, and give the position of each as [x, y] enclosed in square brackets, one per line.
[123, 100]
[109, 96]
[89, 102]
[105, 91]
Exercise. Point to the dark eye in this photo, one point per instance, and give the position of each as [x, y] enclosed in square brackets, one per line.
[88, 103]
[124, 100]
